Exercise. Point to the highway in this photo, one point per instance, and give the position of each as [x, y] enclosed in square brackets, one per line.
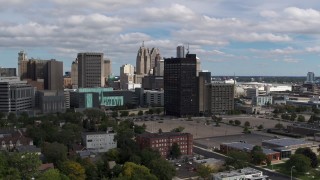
[210, 154]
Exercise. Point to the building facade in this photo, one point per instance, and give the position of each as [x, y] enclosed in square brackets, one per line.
[126, 76]
[143, 61]
[164, 141]
[15, 95]
[22, 65]
[8, 72]
[90, 70]
[180, 86]
[153, 98]
[261, 100]
[50, 101]
[53, 75]
[107, 68]
[74, 73]
[99, 141]
[203, 79]
[220, 98]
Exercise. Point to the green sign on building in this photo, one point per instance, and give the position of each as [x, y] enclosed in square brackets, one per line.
[112, 101]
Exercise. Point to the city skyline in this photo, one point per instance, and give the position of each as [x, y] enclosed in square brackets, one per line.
[247, 38]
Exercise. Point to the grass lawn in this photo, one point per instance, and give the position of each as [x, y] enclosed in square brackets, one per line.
[312, 174]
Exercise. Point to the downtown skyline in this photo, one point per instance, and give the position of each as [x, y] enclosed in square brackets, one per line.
[248, 38]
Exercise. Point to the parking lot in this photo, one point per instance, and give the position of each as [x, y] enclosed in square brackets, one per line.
[199, 127]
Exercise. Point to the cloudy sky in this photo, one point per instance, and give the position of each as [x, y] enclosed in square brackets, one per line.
[249, 37]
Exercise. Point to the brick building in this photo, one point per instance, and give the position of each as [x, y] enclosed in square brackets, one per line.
[164, 141]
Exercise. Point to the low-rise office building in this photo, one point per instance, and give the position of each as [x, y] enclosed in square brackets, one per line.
[153, 98]
[241, 174]
[245, 147]
[99, 141]
[50, 101]
[288, 146]
[164, 141]
[261, 100]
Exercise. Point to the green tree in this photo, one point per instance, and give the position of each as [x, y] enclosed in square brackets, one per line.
[204, 171]
[158, 110]
[279, 126]
[133, 171]
[293, 116]
[160, 131]
[91, 169]
[231, 122]
[302, 163]
[309, 154]
[12, 118]
[162, 169]
[258, 156]
[124, 113]
[54, 152]
[247, 124]
[26, 163]
[178, 129]
[175, 151]
[73, 170]
[301, 118]
[151, 111]
[148, 155]
[52, 174]
[237, 159]
[114, 114]
[237, 122]
[260, 127]
[140, 113]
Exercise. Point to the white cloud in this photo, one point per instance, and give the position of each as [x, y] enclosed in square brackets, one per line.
[265, 37]
[269, 14]
[176, 12]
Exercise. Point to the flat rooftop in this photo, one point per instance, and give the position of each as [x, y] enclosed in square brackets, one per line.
[247, 147]
[284, 142]
[162, 135]
[244, 171]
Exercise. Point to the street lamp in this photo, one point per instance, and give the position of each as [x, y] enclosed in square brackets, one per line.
[291, 171]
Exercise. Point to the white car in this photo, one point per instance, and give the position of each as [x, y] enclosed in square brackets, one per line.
[178, 164]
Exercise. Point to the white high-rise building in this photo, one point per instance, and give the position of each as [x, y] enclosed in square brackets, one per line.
[159, 68]
[126, 75]
[310, 77]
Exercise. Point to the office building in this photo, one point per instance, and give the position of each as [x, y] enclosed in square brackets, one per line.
[143, 61]
[198, 66]
[50, 101]
[99, 141]
[90, 70]
[164, 141]
[152, 82]
[245, 174]
[107, 68]
[261, 100]
[180, 52]
[220, 98]
[126, 76]
[7, 72]
[15, 95]
[158, 70]
[153, 98]
[181, 86]
[74, 73]
[154, 58]
[22, 65]
[310, 77]
[53, 75]
[67, 82]
[204, 79]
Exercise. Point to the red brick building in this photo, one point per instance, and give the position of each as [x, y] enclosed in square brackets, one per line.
[163, 142]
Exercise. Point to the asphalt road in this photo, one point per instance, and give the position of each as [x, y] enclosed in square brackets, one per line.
[208, 154]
